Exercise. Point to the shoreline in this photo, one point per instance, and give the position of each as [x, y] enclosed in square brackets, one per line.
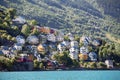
[65, 70]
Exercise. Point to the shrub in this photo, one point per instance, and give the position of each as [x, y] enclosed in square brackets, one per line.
[101, 65]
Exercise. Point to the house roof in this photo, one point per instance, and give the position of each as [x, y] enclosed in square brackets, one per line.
[1, 52]
[22, 55]
[96, 42]
[84, 50]
[41, 47]
[20, 20]
[17, 44]
[93, 56]
[20, 39]
[33, 39]
[66, 43]
[62, 45]
[51, 37]
[5, 47]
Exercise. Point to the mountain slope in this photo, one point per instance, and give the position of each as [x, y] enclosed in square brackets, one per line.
[89, 17]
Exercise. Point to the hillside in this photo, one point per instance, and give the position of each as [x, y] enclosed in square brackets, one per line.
[89, 17]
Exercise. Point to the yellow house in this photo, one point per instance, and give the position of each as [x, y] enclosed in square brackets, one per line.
[83, 56]
[41, 48]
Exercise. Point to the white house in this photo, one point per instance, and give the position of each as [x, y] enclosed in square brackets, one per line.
[84, 50]
[43, 39]
[61, 47]
[71, 37]
[51, 37]
[73, 53]
[18, 46]
[20, 20]
[6, 52]
[39, 58]
[73, 49]
[96, 42]
[66, 43]
[32, 39]
[93, 56]
[74, 44]
[20, 39]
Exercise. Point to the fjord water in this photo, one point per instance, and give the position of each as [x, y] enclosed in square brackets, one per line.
[61, 75]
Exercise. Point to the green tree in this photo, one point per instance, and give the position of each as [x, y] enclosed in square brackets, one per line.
[9, 37]
[101, 65]
[13, 39]
[66, 38]
[33, 22]
[5, 24]
[75, 63]
[41, 66]
[81, 44]
[63, 58]
[93, 65]
[36, 64]
[25, 30]
[35, 31]
[77, 38]
[11, 12]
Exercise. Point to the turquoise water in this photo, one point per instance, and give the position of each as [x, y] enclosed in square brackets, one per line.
[61, 75]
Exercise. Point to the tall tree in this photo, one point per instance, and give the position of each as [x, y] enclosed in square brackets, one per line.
[25, 30]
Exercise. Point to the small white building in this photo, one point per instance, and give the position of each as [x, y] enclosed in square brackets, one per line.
[73, 53]
[86, 40]
[84, 50]
[32, 39]
[93, 56]
[39, 58]
[20, 39]
[51, 37]
[18, 46]
[74, 44]
[23, 55]
[109, 63]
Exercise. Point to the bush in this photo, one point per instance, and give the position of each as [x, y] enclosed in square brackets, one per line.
[36, 64]
[41, 66]
[93, 65]
[101, 65]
